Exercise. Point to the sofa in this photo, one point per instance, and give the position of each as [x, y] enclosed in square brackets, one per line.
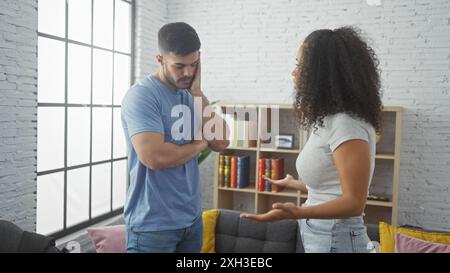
[238, 235]
[15, 240]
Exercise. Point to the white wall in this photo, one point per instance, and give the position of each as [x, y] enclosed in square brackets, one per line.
[18, 109]
[248, 52]
[150, 16]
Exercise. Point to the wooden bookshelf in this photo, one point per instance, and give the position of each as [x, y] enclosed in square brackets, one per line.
[253, 201]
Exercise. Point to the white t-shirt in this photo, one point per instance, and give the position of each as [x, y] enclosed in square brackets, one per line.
[315, 164]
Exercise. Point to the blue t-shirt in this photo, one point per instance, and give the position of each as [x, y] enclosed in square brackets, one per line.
[162, 199]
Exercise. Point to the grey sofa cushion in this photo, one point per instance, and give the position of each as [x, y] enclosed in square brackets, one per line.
[238, 235]
[15, 240]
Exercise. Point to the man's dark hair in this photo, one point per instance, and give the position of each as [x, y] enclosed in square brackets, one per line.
[338, 72]
[179, 38]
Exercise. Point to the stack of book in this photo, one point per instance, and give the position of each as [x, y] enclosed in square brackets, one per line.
[272, 168]
[234, 171]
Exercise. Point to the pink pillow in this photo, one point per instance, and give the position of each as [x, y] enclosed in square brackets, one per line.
[408, 244]
[109, 239]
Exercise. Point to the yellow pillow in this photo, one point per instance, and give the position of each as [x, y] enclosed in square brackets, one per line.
[209, 231]
[387, 236]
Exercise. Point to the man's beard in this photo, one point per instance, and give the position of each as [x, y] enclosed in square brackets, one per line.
[168, 77]
[171, 80]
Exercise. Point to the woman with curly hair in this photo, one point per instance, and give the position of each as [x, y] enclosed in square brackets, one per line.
[338, 97]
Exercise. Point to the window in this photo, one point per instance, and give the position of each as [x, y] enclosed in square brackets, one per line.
[84, 66]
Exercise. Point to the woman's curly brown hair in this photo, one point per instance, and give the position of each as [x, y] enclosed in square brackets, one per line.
[338, 72]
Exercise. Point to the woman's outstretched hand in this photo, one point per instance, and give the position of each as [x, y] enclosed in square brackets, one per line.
[285, 182]
[288, 182]
[280, 211]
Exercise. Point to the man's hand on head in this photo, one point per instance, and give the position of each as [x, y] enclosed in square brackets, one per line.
[196, 89]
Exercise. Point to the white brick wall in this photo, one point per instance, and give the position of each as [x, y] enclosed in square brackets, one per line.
[248, 52]
[18, 109]
[150, 16]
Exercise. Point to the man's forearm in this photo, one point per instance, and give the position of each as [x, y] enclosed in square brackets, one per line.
[170, 155]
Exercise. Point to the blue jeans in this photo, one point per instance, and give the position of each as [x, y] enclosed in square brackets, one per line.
[335, 235]
[185, 240]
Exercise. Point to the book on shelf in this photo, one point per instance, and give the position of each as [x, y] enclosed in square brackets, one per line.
[221, 170]
[226, 173]
[243, 171]
[267, 173]
[261, 173]
[272, 168]
[235, 171]
[277, 172]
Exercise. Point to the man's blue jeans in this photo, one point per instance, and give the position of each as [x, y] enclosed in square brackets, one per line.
[185, 240]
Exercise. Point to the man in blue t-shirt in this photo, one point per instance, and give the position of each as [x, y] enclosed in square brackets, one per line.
[161, 125]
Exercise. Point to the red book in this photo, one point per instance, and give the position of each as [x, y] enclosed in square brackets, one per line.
[277, 172]
[233, 173]
[261, 171]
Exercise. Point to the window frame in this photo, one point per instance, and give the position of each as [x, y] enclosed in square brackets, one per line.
[92, 220]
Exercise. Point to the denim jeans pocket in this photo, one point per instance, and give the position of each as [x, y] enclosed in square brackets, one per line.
[360, 241]
[319, 226]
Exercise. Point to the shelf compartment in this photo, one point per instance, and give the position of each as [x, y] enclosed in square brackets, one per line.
[236, 200]
[382, 185]
[386, 145]
[252, 167]
[267, 129]
[376, 214]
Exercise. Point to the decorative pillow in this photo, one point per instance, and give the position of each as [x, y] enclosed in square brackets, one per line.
[408, 244]
[387, 236]
[109, 239]
[209, 231]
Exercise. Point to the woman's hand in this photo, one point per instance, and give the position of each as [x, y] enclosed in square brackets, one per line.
[280, 211]
[288, 182]
[285, 182]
